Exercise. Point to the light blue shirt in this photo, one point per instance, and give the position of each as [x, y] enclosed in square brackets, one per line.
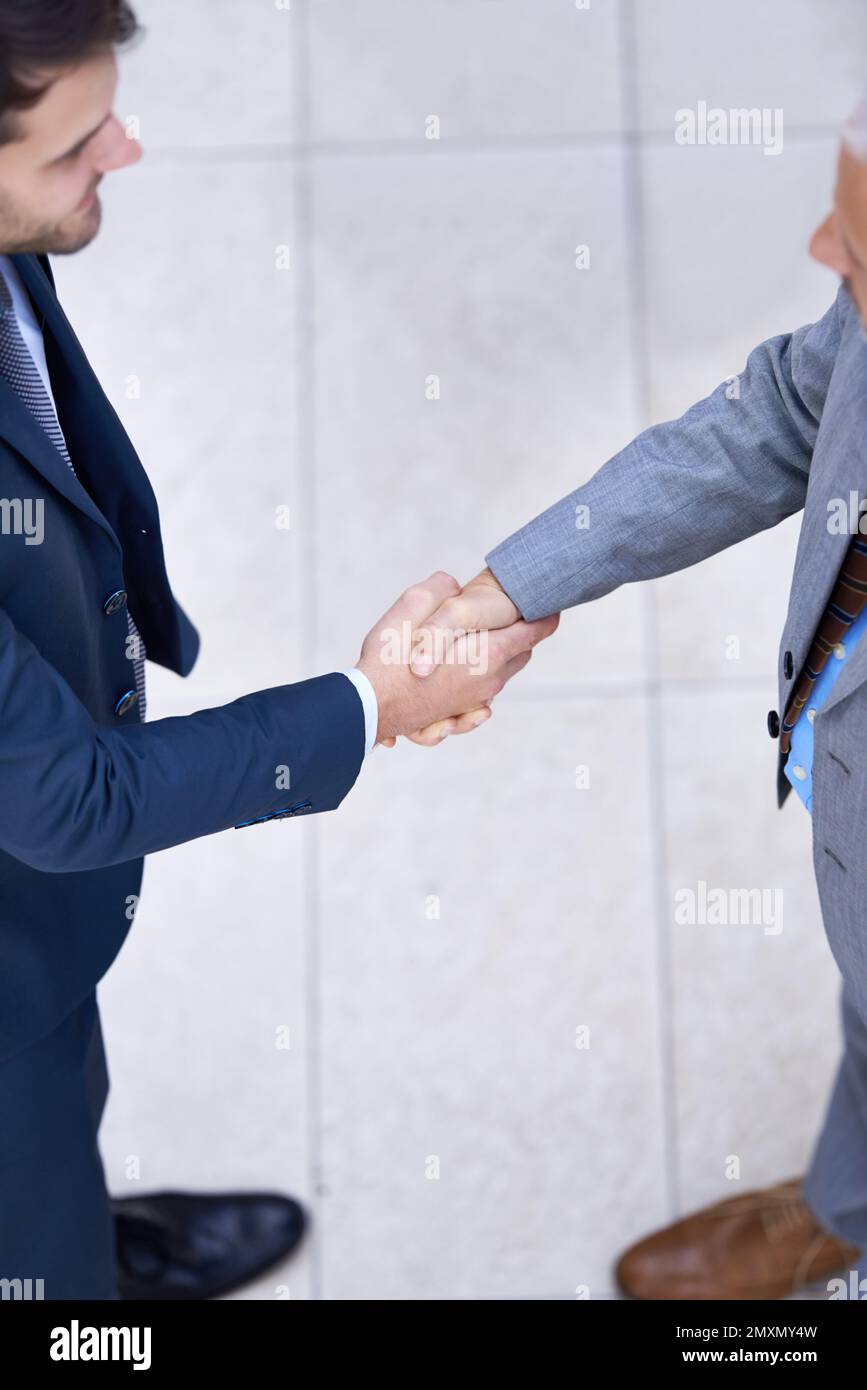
[798, 766]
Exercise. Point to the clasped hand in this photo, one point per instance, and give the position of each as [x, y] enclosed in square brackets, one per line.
[441, 654]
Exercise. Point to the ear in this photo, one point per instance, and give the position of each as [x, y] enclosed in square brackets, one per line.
[828, 248]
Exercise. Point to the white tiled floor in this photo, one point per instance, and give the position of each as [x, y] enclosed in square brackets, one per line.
[415, 1038]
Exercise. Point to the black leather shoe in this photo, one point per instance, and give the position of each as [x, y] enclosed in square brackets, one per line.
[189, 1245]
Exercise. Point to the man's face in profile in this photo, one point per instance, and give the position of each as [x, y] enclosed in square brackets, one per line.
[61, 149]
[841, 241]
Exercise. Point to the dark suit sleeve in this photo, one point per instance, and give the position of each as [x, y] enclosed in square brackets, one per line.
[81, 795]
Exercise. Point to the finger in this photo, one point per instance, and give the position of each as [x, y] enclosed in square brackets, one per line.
[433, 734]
[476, 608]
[473, 719]
[469, 614]
[482, 605]
[433, 643]
[521, 636]
[419, 601]
[387, 742]
[512, 667]
[489, 651]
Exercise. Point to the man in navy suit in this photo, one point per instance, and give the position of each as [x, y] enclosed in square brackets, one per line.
[87, 785]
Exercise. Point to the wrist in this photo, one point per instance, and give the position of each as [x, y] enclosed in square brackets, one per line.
[509, 612]
[375, 674]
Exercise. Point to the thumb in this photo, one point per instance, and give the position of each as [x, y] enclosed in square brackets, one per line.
[425, 640]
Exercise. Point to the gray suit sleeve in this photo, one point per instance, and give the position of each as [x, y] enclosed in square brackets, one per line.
[734, 464]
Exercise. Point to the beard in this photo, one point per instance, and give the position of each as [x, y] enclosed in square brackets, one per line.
[61, 238]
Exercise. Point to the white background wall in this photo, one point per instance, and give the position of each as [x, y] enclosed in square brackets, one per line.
[305, 127]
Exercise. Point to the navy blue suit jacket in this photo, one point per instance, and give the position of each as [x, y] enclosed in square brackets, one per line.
[85, 793]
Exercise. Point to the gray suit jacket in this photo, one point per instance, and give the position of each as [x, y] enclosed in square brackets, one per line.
[791, 434]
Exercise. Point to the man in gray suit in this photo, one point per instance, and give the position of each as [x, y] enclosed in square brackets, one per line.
[792, 435]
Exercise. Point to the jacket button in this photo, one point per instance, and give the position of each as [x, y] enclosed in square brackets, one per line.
[125, 702]
[773, 723]
[788, 666]
[114, 602]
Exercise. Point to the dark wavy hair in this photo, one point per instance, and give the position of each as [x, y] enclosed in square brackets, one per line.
[45, 36]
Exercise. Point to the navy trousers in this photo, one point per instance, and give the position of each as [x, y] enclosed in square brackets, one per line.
[55, 1213]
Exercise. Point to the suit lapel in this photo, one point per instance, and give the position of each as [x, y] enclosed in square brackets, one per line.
[839, 469]
[17, 425]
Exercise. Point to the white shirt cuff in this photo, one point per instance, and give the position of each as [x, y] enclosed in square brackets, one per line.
[369, 704]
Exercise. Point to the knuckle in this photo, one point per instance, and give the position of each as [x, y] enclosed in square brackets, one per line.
[446, 613]
[443, 577]
[418, 594]
[541, 631]
[517, 637]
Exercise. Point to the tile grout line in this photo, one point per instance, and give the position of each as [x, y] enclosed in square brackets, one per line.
[618, 688]
[301, 150]
[624, 688]
[581, 689]
[305, 444]
[636, 272]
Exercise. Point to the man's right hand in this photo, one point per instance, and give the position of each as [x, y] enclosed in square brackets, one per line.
[475, 668]
[481, 604]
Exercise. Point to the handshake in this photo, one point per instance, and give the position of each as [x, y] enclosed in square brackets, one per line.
[438, 657]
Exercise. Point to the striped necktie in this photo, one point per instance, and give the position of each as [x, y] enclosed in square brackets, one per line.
[20, 371]
[848, 598]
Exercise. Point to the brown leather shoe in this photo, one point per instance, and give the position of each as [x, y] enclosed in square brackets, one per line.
[762, 1244]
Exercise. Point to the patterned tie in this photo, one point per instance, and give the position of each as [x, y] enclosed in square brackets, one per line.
[19, 369]
[848, 598]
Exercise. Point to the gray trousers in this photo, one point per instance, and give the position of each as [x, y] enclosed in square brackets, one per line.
[835, 1185]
